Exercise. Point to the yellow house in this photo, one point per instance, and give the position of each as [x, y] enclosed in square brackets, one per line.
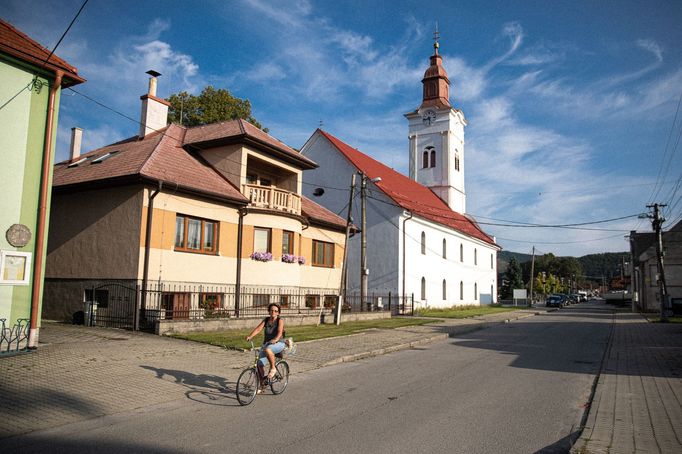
[187, 223]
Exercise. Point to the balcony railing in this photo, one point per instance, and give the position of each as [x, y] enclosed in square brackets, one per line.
[273, 198]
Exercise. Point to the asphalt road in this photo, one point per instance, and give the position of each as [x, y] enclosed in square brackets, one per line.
[519, 387]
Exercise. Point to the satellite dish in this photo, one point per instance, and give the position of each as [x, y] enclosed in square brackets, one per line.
[318, 192]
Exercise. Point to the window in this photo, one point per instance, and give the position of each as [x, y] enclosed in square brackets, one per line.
[195, 234]
[475, 291]
[101, 297]
[323, 254]
[210, 300]
[287, 242]
[312, 301]
[284, 301]
[330, 301]
[445, 290]
[475, 256]
[456, 160]
[423, 243]
[461, 290]
[261, 239]
[423, 289]
[461, 252]
[445, 249]
[261, 299]
[491, 262]
[425, 160]
[176, 305]
[433, 158]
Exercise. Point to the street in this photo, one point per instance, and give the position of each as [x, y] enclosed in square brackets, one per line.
[518, 387]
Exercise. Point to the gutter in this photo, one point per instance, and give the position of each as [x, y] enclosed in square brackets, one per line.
[147, 248]
[37, 287]
[238, 280]
[404, 252]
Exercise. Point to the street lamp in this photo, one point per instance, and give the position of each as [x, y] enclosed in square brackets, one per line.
[364, 271]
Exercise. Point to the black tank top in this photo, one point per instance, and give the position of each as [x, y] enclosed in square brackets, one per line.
[271, 330]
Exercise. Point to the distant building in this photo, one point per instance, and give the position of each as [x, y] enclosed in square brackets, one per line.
[645, 269]
[420, 240]
[30, 88]
[189, 223]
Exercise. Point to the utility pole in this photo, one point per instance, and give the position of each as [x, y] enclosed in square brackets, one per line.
[364, 272]
[344, 269]
[657, 222]
[532, 276]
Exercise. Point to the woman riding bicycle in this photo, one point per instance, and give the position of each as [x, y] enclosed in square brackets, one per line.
[274, 339]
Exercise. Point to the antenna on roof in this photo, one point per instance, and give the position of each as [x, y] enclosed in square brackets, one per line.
[321, 124]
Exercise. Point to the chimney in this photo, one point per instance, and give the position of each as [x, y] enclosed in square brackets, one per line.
[76, 139]
[154, 110]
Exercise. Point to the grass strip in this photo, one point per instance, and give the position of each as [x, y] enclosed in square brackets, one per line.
[466, 311]
[235, 338]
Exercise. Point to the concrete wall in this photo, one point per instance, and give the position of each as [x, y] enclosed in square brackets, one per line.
[167, 327]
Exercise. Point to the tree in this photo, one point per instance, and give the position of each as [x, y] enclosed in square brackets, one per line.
[212, 105]
[512, 279]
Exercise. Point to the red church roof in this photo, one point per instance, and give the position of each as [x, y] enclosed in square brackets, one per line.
[409, 194]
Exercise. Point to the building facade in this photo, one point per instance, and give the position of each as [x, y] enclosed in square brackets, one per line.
[31, 84]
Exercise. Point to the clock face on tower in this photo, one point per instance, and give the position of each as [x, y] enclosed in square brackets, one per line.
[429, 117]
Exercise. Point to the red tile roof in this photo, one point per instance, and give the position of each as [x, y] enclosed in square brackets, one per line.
[158, 157]
[240, 130]
[409, 194]
[319, 213]
[17, 44]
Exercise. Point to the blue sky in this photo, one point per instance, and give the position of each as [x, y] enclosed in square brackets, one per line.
[571, 105]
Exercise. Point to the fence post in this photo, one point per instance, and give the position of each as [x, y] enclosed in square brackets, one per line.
[136, 319]
[412, 305]
[389, 303]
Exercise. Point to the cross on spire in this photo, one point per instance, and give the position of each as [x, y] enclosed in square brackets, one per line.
[436, 37]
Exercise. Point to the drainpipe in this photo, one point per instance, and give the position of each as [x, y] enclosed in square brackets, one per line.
[42, 214]
[240, 234]
[147, 248]
[404, 236]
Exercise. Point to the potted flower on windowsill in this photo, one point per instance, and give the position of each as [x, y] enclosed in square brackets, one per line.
[261, 256]
[300, 260]
[289, 258]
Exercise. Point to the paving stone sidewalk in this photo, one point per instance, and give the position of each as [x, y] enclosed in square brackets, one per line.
[637, 404]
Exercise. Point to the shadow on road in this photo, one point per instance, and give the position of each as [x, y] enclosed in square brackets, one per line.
[203, 388]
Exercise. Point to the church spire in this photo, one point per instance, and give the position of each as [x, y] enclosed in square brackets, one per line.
[435, 81]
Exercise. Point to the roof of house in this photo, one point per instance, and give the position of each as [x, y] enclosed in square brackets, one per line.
[161, 156]
[17, 44]
[409, 194]
[235, 131]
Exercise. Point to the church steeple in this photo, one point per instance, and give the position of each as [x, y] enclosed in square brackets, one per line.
[436, 82]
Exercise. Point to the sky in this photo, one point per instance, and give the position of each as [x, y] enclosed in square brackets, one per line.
[572, 106]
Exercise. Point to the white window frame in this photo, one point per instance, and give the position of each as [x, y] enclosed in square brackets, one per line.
[5, 257]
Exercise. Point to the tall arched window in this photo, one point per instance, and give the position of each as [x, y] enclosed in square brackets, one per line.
[492, 300]
[475, 291]
[423, 289]
[491, 262]
[445, 290]
[475, 256]
[445, 249]
[425, 159]
[456, 161]
[461, 290]
[433, 158]
[461, 252]
[423, 243]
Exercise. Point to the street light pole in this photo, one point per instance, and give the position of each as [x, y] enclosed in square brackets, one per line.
[344, 269]
[657, 223]
[364, 272]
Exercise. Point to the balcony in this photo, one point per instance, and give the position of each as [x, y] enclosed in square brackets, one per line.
[272, 198]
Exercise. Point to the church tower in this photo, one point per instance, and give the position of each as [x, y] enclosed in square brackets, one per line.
[436, 135]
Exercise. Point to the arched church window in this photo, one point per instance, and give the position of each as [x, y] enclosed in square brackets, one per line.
[423, 292]
[461, 290]
[461, 252]
[423, 243]
[456, 160]
[445, 249]
[425, 159]
[475, 256]
[475, 291]
[445, 290]
[433, 158]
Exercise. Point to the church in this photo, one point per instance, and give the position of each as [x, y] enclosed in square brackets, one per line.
[421, 244]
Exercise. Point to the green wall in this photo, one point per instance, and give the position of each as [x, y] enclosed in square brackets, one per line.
[21, 149]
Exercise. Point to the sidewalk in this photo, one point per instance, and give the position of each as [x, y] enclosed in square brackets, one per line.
[82, 373]
[637, 403]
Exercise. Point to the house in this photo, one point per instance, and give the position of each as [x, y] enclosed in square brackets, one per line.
[645, 279]
[181, 223]
[31, 80]
[420, 242]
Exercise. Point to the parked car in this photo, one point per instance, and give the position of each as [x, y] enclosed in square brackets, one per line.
[554, 301]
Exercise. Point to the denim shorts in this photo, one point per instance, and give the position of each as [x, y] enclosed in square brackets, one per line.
[275, 348]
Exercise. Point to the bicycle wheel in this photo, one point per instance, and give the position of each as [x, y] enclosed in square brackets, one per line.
[247, 386]
[281, 379]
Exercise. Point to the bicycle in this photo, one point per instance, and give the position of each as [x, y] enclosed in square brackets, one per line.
[250, 380]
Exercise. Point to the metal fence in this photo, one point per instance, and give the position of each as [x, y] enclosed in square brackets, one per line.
[126, 304]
